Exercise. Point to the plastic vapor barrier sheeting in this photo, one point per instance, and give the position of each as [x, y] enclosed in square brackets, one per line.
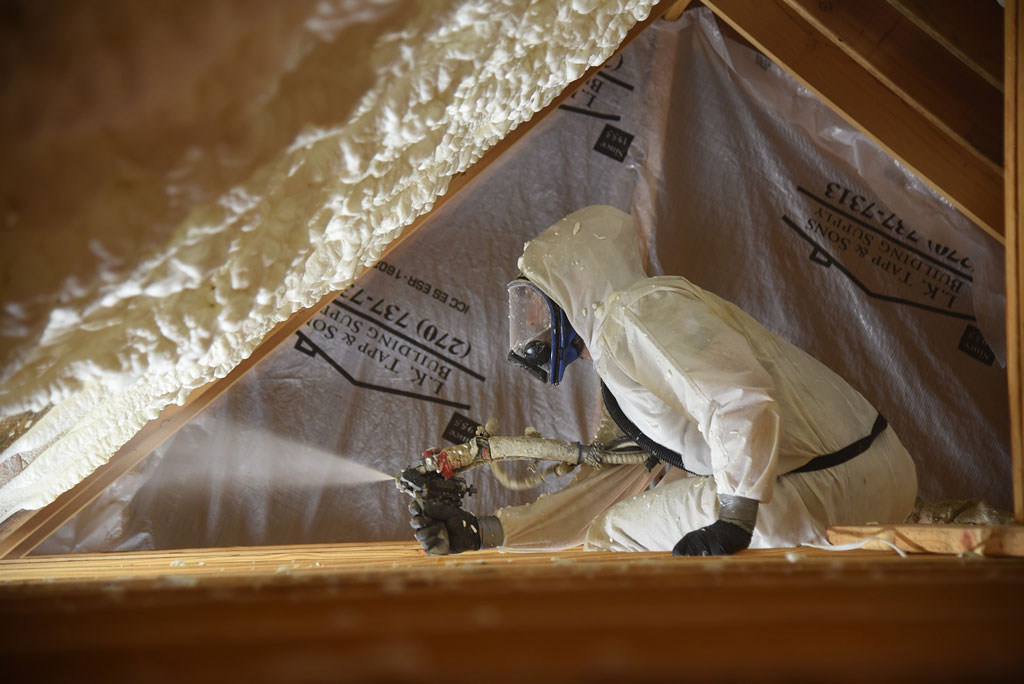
[743, 181]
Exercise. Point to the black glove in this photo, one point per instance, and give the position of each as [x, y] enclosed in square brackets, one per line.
[442, 529]
[720, 538]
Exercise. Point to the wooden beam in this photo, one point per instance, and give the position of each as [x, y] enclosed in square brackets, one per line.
[798, 616]
[676, 10]
[243, 564]
[944, 539]
[955, 171]
[970, 30]
[908, 61]
[1014, 153]
[25, 530]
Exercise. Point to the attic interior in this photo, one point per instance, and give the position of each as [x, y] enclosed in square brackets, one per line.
[173, 544]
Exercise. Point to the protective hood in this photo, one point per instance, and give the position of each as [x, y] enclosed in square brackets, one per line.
[581, 260]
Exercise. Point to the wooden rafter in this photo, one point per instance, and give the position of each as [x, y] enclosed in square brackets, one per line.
[970, 30]
[1014, 155]
[854, 90]
[919, 69]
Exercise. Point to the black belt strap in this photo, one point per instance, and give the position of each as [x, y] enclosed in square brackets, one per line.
[846, 453]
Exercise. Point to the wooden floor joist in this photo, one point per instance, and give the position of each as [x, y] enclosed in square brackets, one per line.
[259, 563]
[802, 615]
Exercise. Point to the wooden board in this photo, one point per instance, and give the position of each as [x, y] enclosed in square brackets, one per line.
[1014, 153]
[918, 68]
[242, 564]
[676, 10]
[567, 616]
[954, 170]
[969, 28]
[945, 539]
[25, 530]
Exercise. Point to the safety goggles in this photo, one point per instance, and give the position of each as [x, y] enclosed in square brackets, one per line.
[541, 339]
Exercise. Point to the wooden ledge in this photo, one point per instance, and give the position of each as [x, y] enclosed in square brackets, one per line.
[256, 565]
[945, 539]
[793, 615]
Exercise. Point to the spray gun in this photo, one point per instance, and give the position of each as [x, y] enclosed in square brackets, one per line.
[438, 477]
[426, 485]
[435, 479]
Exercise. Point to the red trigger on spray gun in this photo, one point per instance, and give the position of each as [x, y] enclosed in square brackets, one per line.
[440, 457]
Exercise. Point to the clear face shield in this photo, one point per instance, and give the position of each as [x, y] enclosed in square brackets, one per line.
[541, 339]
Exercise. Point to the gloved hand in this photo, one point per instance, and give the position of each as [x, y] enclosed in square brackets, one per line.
[442, 529]
[720, 538]
[732, 531]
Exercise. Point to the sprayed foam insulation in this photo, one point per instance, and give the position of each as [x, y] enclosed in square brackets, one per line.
[179, 178]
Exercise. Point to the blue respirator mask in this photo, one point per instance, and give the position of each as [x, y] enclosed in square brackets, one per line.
[541, 339]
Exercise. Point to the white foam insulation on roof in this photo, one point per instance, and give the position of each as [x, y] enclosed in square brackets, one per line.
[177, 178]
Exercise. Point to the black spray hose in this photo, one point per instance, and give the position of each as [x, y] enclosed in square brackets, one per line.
[658, 451]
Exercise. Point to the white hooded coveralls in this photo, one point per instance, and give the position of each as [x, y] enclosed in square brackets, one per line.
[698, 375]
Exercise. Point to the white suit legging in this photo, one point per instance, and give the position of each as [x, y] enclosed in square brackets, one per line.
[627, 508]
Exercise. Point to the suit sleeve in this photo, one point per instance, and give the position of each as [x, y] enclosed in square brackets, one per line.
[677, 348]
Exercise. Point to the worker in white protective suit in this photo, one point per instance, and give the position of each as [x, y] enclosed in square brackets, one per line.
[767, 446]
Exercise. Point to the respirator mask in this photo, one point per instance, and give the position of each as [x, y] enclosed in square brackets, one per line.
[541, 339]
